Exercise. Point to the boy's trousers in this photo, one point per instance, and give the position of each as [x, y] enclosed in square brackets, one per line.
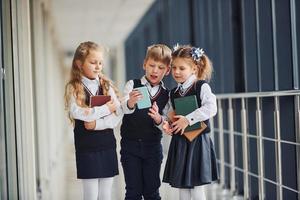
[141, 162]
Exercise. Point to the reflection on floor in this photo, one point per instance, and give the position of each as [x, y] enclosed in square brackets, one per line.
[74, 187]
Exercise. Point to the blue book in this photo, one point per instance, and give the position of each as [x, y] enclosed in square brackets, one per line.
[145, 102]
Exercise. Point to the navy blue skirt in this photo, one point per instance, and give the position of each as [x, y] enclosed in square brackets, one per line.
[190, 164]
[100, 164]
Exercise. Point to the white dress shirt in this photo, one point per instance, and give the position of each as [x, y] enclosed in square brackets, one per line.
[104, 118]
[208, 106]
[129, 87]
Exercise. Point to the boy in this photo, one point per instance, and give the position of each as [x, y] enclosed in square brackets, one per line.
[141, 150]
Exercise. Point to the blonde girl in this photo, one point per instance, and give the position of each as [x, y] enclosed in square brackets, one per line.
[95, 144]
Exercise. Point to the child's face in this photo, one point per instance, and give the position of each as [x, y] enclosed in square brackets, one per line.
[93, 64]
[155, 71]
[182, 69]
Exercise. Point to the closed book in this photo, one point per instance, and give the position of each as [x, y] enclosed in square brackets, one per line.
[99, 100]
[145, 101]
[190, 135]
[186, 105]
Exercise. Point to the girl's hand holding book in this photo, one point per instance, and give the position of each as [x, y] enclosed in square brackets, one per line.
[180, 124]
[90, 125]
[111, 106]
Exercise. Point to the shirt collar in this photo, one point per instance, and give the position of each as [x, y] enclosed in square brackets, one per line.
[144, 81]
[186, 84]
[87, 82]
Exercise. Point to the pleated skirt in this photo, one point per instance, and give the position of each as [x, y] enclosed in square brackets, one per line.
[190, 164]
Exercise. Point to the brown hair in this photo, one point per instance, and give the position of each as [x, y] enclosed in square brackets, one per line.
[203, 64]
[74, 86]
[159, 52]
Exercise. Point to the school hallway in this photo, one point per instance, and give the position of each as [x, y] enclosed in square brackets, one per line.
[254, 47]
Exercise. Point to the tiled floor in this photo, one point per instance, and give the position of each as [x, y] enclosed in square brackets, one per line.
[74, 188]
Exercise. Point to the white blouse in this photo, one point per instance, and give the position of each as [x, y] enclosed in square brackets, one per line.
[104, 118]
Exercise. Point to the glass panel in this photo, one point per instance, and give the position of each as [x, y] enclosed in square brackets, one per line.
[265, 48]
[3, 178]
[284, 46]
[250, 47]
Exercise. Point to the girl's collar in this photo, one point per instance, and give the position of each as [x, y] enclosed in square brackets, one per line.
[186, 84]
[88, 81]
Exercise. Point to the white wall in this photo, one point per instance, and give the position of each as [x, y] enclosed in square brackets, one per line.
[51, 122]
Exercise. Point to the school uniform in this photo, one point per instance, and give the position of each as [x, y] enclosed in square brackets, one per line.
[95, 149]
[191, 164]
[141, 150]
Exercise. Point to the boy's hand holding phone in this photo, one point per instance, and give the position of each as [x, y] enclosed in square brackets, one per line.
[134, 96]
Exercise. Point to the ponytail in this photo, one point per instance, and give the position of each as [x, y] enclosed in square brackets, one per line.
[204, 68]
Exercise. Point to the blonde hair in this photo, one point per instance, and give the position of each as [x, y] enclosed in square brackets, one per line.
[159, 52]
[204, 65]
[74, 86]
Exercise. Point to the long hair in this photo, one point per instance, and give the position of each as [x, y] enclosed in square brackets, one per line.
[203, 63]
[74, 86]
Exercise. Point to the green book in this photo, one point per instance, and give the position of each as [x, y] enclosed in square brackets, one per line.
[186, 105]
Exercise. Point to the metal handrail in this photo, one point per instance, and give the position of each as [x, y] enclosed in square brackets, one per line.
[257, 137]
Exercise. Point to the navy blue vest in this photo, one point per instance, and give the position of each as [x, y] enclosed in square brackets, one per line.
[92, 140]
[139, 125]
[194, 90]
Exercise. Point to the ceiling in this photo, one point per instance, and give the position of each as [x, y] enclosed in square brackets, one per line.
[107, 22]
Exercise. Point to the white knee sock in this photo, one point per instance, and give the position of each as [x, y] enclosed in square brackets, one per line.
[198, 193]
[184, 194]
[90, 189]
[105, 186]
